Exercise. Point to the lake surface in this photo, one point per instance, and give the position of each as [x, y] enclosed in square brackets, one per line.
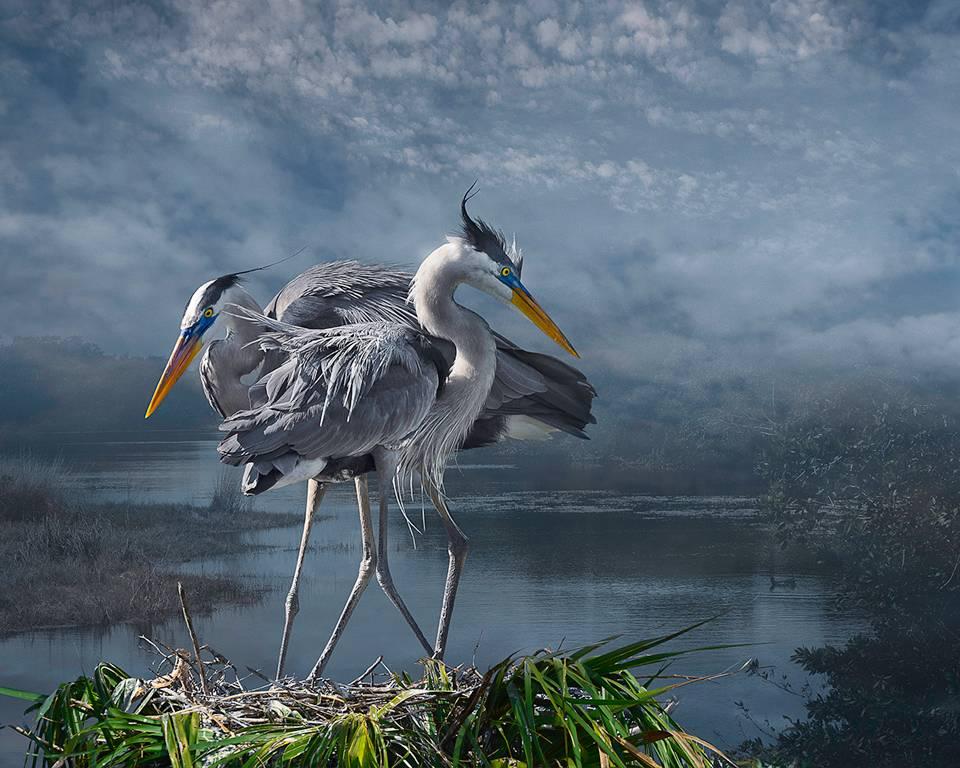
[544, 568]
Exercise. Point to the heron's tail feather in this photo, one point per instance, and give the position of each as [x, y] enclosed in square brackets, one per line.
[567, 402]
[533, 395]
[288, 468]
[255, 482]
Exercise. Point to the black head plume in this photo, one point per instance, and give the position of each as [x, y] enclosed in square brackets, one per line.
[234, 277]
[484, 238]
[216, 287]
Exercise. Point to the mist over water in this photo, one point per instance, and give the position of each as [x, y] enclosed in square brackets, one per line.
[545, 567]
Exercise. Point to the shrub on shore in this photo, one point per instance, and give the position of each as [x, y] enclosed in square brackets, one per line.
[877, 491]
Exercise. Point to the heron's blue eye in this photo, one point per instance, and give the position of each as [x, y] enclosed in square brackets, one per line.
[208, 312]
[505, 272]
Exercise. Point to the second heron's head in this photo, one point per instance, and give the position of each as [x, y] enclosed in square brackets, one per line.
[201, 313]
[494, 267]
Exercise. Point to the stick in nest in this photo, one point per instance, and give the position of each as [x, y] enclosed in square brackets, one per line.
[193, 638]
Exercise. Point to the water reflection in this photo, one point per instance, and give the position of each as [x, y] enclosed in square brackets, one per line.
[544, 568]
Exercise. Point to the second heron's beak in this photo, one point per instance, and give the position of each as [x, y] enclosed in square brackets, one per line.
[538, 316]
[186, 348]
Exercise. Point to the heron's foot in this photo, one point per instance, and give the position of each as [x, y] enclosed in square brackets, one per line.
[318, 668]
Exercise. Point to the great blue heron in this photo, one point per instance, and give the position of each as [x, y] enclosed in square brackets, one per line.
[532, 393]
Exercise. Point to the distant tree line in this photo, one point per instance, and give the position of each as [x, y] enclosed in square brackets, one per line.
[52, 386]
[701, 435]
[654, 441]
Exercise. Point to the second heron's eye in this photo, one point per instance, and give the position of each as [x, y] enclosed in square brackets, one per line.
[505, 272]
[208, 312]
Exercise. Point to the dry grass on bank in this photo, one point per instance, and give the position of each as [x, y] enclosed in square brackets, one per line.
[71, 561]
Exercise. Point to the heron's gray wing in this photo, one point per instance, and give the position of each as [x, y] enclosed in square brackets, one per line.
[532, 390]
[340, 293]
[343, 292]
[340, 393]
[299, 421]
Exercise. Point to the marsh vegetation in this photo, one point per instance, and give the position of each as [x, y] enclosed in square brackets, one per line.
[71, 561]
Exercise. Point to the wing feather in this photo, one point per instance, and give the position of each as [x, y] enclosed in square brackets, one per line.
[341, 392]
[344, 292]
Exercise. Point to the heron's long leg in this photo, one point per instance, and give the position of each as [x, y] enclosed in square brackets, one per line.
[386, 466]
[367, 566]
[315, 492]
[457, 546]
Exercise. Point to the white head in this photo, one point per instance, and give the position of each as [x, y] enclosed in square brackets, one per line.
[200, 314]
[480, 257]
[209, 300]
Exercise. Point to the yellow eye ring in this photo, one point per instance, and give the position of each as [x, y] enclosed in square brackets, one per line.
[505, 272]
[208, 312]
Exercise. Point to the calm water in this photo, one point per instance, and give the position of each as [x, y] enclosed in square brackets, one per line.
[544, 568]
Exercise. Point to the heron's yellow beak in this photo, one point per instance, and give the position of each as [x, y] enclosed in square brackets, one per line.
[186, 348]
[523, 301]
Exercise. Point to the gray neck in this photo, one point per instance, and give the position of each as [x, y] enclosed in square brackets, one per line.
[226, 361]
[237, 332]
[471, 376]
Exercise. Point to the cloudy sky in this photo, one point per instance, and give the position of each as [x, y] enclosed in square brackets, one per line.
[698, 186]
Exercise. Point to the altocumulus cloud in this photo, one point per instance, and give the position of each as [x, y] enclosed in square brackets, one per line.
[699, 186]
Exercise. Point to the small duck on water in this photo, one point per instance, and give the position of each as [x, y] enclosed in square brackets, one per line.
[790, 583]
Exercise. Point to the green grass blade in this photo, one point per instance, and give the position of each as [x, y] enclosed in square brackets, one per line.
[14, 693]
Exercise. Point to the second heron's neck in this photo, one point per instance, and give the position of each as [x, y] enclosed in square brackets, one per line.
[227, 361]
[440, 315]
[237, 332]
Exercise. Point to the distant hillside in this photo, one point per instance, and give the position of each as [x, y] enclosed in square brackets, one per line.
[51, 385]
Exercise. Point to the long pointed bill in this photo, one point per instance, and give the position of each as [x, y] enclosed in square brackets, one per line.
[184, 351]
[529, 306]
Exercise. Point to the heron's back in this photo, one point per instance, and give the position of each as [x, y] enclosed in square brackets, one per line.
[344, 292]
